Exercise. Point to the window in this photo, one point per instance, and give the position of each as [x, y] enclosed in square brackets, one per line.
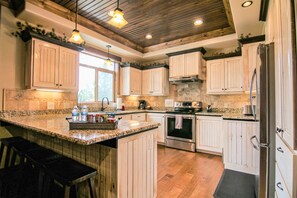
[95, 79]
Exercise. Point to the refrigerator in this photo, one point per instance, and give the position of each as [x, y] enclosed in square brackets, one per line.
[263, 108]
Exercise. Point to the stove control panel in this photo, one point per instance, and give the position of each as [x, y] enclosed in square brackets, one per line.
[194, 104]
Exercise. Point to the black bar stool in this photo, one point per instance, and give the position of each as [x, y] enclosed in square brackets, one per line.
[69, 173]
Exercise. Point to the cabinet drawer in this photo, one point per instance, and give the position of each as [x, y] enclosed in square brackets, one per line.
[139, 117]
[124, 117]
[284, 159]
[280, 186]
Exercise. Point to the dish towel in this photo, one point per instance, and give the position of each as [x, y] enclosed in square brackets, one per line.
[178, 122]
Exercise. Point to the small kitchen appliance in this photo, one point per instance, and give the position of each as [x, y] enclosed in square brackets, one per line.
[180, 127]
[142, 104]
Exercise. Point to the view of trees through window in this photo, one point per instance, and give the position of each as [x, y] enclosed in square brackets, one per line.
[96, 80]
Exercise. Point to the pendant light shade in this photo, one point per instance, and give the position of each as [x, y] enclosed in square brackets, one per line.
[118, 19]
[108, 62]
[76, 37]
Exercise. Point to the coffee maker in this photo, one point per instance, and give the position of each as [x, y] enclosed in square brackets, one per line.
[142, 104]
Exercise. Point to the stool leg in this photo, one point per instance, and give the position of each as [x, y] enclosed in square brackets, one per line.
[7, 157]
[67, 192]
[92, 187]
[1, 152]
[40, 183]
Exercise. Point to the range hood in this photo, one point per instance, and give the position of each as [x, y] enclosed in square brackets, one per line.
[185, 79]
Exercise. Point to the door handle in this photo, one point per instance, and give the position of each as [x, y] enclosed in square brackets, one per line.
[279, 185]
[279, 149]
[251, 90]
[257, 145]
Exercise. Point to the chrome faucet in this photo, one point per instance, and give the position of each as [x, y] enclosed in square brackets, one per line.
[102, 108]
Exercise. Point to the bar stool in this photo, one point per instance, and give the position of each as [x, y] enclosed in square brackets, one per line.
[8, 143]
[69, 173]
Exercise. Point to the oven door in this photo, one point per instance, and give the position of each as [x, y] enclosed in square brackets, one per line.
[187, 133]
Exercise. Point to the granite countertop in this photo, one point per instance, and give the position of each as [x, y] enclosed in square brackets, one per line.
[56, 125]
[120, 112]
[228, 116]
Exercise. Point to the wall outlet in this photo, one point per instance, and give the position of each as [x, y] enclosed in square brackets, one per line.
[50, 105]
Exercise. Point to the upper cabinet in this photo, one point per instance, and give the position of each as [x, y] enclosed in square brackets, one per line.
[130, 81]
[225, 76]
[155, 82]
[49, 66]
[186, 63]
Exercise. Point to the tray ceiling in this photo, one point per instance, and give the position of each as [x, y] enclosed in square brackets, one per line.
[166, 20]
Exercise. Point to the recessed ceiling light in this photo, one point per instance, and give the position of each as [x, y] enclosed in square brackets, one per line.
[148, 36]
[246, 4]
[198, 22]
[110, 13]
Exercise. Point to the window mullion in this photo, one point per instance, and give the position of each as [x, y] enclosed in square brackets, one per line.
[96, 85]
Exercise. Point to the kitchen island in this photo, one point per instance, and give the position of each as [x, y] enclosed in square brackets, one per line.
[125, 158]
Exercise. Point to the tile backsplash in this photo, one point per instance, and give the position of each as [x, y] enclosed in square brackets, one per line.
[32, 100]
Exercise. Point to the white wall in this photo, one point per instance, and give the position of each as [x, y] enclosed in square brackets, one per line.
[11, 54]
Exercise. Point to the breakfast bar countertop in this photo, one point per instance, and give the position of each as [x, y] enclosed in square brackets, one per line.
[56, 125]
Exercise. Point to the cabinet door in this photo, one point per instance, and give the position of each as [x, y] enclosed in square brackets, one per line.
[147, 82]
[135, 81]
[176, 65]
[159, 118]
[157, 81]
[45, 66]
[215, 76]
[124, 117]
[287, 62]
[238, 152]
[233, 75]
[68, 69]
[209, 134]
[192, 64]
[137, 165]
[125, 81]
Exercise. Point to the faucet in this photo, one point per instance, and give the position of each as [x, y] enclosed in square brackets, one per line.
[102, 108]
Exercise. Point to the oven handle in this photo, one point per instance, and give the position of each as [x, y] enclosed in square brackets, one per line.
[187, 117]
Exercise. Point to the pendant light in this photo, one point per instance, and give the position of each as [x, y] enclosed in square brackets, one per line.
[108, 62]
[118, 19]
[76, 37]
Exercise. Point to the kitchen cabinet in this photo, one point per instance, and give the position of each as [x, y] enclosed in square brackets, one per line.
[130, 79]
[50, 66]
[159, 118]
[225, 76]
[188, 64]
[124, 117]
[155, 82]
[284, 71]
[238, 153]
[137, 165]
[209, 134]
[286, 169]
[141, 117]
[249, 61]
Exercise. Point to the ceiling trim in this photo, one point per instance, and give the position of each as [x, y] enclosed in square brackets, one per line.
[229, 13]
[67, 14]
[190, 39]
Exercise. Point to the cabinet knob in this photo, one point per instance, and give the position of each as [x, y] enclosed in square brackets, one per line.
[60, 85]
[57, 84]
[223, 89]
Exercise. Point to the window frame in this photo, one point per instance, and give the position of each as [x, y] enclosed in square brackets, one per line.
[97, 69]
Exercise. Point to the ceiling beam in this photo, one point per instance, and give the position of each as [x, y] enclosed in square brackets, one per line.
[190, 39]
[67, 14]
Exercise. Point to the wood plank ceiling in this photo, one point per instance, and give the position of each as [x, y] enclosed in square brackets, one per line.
[166, 20]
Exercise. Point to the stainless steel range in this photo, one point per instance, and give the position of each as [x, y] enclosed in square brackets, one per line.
[180, 125]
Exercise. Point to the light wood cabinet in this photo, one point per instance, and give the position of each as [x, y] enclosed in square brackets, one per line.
[225, 76]
[124, 117]
[50, 66]
[238, 153]
[209, 134]
[188, 64]
[159, 118]
[137, 165]
[130, 81]
[155, 82]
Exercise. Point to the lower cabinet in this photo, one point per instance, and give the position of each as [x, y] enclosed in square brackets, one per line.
[238, 153]
[157, 117]
[209, 134]
[141, 117]
[124, 117]
[137, 165]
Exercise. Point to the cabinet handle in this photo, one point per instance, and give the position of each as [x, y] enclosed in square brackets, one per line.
[279, 185]
[280, 149]
[60, 85]
[57, 84]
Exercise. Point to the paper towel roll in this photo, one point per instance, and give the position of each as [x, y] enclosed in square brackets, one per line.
[119, 103]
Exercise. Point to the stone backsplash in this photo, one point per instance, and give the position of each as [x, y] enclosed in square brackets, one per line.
[35, 100]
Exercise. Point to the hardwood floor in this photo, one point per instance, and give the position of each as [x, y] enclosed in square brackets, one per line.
[185, 174]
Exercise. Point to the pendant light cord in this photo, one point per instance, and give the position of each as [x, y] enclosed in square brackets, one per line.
[118, 4]
[76, 14]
